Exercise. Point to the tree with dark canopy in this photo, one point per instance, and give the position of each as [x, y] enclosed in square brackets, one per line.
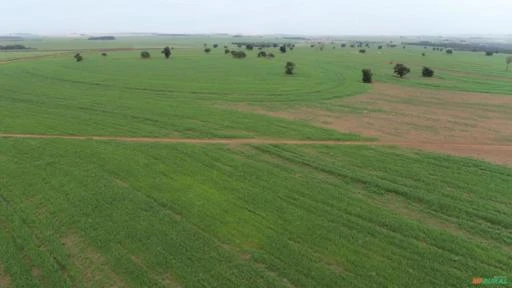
[226, 51]
[167, 52]
[401, 70]
[262, 54]
[215, 45]
[207, 50]
[362, 51]
[427, 72]
[145, 55]
[282, 49]
[78, 57]
[289, 68]
[367, 76]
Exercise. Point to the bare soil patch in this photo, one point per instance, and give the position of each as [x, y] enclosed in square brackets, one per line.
[92, 266]
[5, 280]
[474, 125]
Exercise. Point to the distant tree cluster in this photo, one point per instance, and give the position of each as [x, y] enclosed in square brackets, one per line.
[13, 47]
[258, 45]
[466, 46]
[263, 54]
[102, 38]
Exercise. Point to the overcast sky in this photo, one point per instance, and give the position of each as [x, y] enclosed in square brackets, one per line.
[332, 17]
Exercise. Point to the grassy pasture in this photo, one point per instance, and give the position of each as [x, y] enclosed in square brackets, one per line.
[108, 214]
[96, 214]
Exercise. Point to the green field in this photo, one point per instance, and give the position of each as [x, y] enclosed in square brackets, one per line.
[94, 213]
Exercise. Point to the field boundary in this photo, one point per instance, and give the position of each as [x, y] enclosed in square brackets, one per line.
[241, 141]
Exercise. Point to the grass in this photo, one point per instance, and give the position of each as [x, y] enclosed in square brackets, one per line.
[94, 213]
[108, 214]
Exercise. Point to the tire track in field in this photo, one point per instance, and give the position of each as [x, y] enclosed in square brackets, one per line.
[241, 141]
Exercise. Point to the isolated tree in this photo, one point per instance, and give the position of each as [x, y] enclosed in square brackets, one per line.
[379, 47]
[401, 70]
[489, 53]
[249, 47]
[367, 76]
[427, 72]
[289, 69]
[262, 54]
[78, 57]
[449, 51]
[312, 45]
[103, 54]
[275, 45]
[145, 55]
[215, 45]
[508, 60]
[343, 45]
[282, 49]
[207, 50]
[362, 51]
[226, 51]
[167, 52]
[423, 54]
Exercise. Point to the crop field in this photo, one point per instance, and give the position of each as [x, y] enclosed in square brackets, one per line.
[208, 171]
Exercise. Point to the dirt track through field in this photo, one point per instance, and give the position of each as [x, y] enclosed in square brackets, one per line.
[241, 141]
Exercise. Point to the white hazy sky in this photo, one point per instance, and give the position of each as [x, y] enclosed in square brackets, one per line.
[333, 17]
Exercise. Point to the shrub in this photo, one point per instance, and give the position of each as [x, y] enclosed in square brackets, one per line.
[448, 51]
[262, 54]
[282, 49]
[167, 52]
[367, 76]
[427, 72]
[103, 54]
[289, 68]
[238, 54]
[215, 45]
[362, 51]
[343, 45]
[489, 53]
[380, 47]
[271, 55]
[207, 50]
[78, 57]
[401, 70]
[249, 46]
[145, 55]
[226, 51]
[423, 54]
